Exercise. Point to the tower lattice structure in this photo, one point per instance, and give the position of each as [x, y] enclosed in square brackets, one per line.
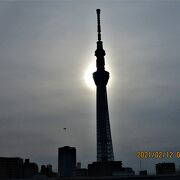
[101, 77]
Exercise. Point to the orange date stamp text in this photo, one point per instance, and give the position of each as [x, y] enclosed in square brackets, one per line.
[157, 154]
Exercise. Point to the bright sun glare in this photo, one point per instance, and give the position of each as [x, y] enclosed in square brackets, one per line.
[88, 77]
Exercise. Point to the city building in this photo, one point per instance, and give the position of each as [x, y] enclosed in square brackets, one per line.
[66, 160]
[143, 173]
[47, 171]
[125, 171]
[30, 169]
[78, 171]
[78, 165]
[82, 172]
[106, 168]
[11, 167]
[165, 168]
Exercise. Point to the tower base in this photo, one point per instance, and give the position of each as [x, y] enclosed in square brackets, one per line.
[104, 168]
[109, 168]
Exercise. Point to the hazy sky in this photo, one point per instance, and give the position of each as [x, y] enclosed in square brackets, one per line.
[45, 50]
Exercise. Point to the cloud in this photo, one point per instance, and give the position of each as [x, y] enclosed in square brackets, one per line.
[45, 48]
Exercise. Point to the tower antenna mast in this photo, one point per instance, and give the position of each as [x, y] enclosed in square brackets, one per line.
[98, 24]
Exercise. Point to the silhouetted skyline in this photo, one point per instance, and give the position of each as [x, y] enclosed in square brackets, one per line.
[46, 47]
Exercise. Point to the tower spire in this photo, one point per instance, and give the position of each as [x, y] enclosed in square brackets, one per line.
[98, 24]
[99, 53]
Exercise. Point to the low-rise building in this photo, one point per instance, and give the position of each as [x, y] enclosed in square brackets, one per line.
[11, 167]
[165, 168]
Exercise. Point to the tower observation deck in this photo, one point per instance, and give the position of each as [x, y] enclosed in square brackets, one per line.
[101, 77]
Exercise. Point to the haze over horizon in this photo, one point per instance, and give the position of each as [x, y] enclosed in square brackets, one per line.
[45, 50]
